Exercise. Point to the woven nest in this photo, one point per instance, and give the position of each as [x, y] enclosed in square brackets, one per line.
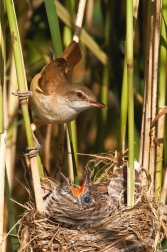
[136, 228]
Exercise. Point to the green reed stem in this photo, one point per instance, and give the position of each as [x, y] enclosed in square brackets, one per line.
[1, 65]
[56, 39]
[13, 233]
[161, 101]
[129, 61]
[36, 168]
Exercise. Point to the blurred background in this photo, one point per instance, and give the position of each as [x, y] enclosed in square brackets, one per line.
[97, 130]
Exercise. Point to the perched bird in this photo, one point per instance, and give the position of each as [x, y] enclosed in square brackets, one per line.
[91, 203]
[53, 97]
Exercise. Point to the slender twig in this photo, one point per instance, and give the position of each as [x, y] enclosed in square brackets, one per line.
[60, 152]
[129, 61]
[71, 172]
[123, 112]
[161, 113]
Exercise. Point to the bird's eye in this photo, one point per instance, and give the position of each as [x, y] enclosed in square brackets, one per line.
[79, 94]
[87, 199]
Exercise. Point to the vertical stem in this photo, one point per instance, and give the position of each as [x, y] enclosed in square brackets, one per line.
[55, 32]
[54, 26]
[102, 118]
[2, 182]
[79, 19]
[2, 133]
[124, 95]
[72, 174]
[161, 103]
[72, 130]
[60, 152]
[146, 119]
[73, 160]
[76, 37]
[14, 238]
[22, 85]
[1, 64]
[123, 112]
[57, 45]
[129, 61]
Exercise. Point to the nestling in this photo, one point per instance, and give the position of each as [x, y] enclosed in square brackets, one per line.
[91, 203]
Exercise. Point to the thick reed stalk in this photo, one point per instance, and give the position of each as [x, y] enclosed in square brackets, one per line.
[147, 104]
[124, 95]
[2, 183]
[157, 25]
[161, 105]
[22, 86]
[2, 133]
[13, 233]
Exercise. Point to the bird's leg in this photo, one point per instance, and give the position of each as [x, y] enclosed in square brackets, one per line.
[30, 151]
[22, 95]
[53, 54]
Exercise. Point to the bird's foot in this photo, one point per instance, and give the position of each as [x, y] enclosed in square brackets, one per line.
[22, 95]
[32, 151]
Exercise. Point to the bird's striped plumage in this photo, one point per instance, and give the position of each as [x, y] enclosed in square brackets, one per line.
[90, 203]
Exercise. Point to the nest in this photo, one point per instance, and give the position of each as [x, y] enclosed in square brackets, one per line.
[131, 229]
[136, 228]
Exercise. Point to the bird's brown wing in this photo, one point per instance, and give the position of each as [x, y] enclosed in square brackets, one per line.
[72, 55]
[59, 70]
[52, 75]
[117, 188]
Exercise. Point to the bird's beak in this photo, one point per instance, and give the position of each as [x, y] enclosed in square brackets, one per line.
[75, 191]
[98, 104]
[78, 191]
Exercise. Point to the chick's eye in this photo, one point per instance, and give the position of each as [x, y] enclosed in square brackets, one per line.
[87, 199]
[79, 94]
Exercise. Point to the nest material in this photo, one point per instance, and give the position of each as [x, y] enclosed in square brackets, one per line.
[131, 229]
[136, 228]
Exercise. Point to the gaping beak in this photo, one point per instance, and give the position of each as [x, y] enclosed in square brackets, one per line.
[75, 191]
[78, 191]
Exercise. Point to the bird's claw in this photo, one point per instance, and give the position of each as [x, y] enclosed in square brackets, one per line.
[32, 151]
[22, 95]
